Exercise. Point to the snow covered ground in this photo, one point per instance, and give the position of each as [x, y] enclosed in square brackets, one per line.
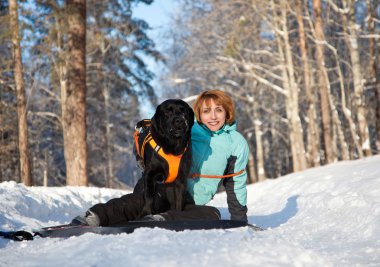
[327, 216]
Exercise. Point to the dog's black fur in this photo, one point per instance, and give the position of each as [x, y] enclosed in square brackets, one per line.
[171, 129]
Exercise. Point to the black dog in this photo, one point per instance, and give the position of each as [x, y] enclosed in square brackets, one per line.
[163, 148]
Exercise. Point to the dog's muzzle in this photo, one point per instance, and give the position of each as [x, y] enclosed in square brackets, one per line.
[179, 126]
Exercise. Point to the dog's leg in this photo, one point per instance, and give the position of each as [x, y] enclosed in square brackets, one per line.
[148, 185]
[149, 192]
[179, 193]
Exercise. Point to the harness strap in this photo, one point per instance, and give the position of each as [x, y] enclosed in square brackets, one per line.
[147, 139]
[141, 126]
[172, 160]
[136, 137]
[196, 175]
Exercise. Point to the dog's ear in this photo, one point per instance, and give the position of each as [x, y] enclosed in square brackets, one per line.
[156, 120]
[191, 117]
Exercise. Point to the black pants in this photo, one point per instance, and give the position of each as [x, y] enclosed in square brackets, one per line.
[118, 211]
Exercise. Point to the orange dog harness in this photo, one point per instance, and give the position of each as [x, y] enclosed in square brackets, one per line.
[142, 137]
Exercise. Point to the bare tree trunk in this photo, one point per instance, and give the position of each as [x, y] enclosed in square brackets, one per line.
[110, 176]
[295, 128]
[358, 101]
[313, 133]
[1, 135]
[260, 152]
[373, 69]
[346, 111]
[338, 133]
[252, 177]
[323, 83]
[259, 144]
[109, 160]
[23, 144]
[46, 169]
[73, 96]
[1, 142]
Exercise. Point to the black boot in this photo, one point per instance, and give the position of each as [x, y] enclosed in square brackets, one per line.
[90, 218]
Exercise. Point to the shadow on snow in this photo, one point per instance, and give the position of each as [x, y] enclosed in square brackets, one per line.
[276, 219]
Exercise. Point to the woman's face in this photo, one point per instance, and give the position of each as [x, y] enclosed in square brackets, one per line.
[213, 115]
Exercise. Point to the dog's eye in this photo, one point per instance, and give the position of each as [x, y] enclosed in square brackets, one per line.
[180, 111]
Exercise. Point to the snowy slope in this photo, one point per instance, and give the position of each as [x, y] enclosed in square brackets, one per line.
[327, 216]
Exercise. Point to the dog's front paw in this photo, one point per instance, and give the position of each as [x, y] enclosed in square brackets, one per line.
[146, 211]
[154, 218]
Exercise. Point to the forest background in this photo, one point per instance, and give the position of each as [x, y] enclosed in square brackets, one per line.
[304, 75]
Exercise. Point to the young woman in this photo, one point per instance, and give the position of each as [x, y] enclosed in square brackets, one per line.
[220, 153]
[220, 156]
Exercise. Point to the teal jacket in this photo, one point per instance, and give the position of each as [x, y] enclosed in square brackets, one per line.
[211, 151]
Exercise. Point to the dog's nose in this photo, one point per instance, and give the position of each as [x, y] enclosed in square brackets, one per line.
[178, 120]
